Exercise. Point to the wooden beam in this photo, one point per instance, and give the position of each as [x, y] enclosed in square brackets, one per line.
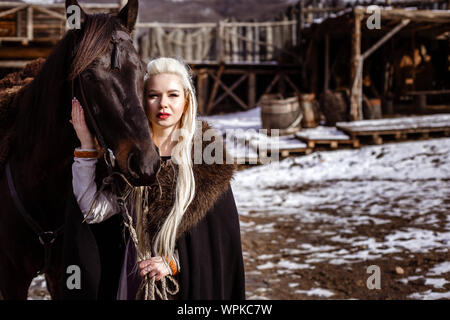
[238, 82]
[270, 86]
[235, 97]
[215, 88]
[7, 12]
[17, 53]
[251, 89]
[389, 35]
[289, 81]
[50, 13]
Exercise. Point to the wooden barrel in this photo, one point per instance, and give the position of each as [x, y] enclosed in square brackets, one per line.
[310, 109]
[283, 114]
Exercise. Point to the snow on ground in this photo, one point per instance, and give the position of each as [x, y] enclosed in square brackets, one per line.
[401, 190]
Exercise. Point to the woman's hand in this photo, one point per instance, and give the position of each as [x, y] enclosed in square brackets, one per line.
[79, 124]
[155, 266]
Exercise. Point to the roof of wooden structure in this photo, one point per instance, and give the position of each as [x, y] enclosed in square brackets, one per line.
[424, 23]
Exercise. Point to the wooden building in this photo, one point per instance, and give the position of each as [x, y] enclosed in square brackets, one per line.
[404, 61]
[29, 31]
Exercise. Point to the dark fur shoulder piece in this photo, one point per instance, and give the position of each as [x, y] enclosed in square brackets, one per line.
[211, 180]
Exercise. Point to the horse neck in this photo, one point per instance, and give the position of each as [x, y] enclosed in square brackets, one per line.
[44, 137]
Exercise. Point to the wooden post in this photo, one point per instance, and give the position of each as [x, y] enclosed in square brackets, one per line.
[251, 90]
[249, 44]
[159, 40]
[256, 44]
[189, 48]
[286, 41]
[326, 62]
[269, 40]
[355, 60]
[234, 44]
[202, 90]
[144, 47]
[227, 41]
[178, 37]
[300, 22]
[199, 42]
[29, 24]
[219, 42]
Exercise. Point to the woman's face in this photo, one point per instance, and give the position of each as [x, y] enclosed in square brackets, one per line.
[165, 100]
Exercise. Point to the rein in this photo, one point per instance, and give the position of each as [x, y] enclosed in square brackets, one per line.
[46, 238]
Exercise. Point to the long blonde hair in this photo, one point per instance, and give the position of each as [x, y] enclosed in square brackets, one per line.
[164, 242]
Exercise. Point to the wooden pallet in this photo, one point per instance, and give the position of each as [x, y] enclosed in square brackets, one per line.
[294, 151]
[332, 143]
[398, 128]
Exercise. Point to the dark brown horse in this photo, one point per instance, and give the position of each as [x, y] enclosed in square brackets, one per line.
[99, 65]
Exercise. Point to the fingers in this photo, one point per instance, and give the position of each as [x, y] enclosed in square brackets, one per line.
[154, 267]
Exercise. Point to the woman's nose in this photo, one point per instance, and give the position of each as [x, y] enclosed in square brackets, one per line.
[164, 101]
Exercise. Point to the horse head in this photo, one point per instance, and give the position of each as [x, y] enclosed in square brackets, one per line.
[107, 77]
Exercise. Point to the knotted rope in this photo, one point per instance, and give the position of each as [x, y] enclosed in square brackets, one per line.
[138, 199]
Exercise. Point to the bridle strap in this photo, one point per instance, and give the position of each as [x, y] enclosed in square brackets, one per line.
[46, 238]
[108, 156]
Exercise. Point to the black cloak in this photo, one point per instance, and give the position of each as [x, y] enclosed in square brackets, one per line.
[208, 240]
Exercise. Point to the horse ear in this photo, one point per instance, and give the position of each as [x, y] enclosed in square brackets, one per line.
[128, 14]
[70, 12]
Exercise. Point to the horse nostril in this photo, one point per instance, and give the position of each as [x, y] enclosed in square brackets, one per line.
[133, 166]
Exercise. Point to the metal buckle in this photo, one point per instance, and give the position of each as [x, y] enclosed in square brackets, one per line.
[109, 158]
[47, 237]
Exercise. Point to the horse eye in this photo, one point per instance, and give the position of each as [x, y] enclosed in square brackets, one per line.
[90, 76]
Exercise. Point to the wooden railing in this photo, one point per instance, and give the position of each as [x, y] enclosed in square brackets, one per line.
[229, 42]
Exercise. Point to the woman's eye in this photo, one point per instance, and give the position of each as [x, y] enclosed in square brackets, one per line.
[174, 95]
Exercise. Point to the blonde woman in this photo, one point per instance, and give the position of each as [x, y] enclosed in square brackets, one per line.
[188, 227]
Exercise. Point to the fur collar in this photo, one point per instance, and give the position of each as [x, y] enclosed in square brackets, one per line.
[211, 180]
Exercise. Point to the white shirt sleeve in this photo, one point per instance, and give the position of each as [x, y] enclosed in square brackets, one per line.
[84, 189]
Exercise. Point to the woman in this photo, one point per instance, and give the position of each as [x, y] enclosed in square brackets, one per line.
[187, 226]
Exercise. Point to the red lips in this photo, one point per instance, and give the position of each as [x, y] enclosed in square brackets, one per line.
[163, 115]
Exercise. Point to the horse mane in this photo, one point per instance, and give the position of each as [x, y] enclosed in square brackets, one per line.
[43, 134]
